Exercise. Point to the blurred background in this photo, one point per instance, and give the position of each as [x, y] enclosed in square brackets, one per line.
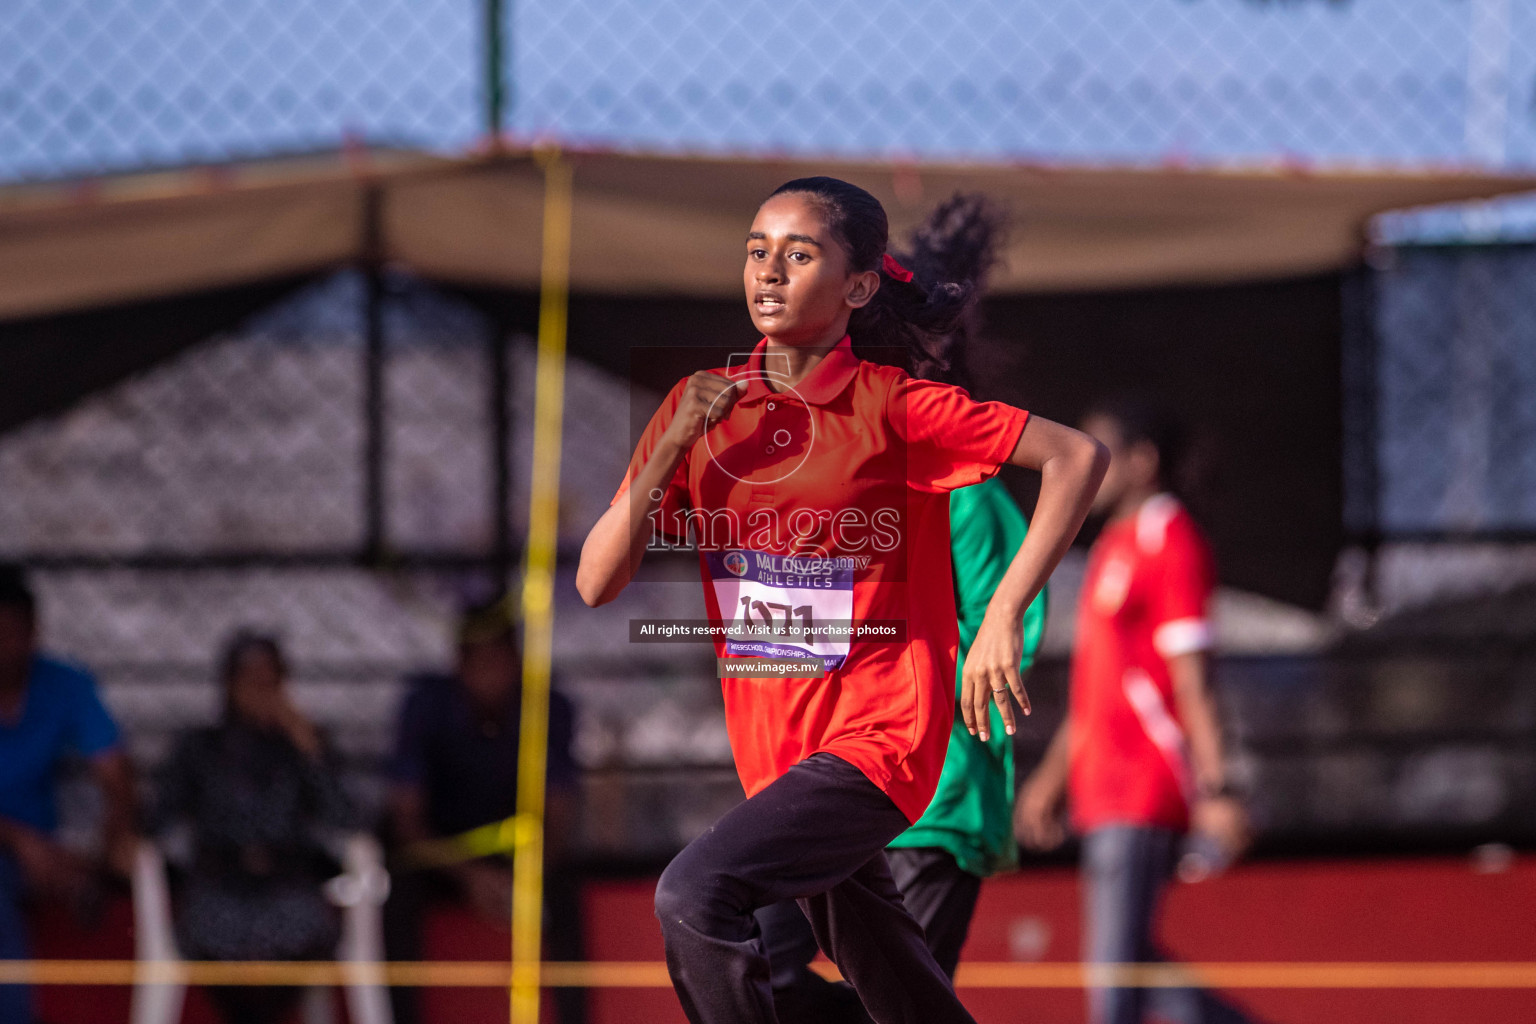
[268, 286]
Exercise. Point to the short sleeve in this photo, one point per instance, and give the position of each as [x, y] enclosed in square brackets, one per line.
[91, 729]
[951, 439]
[675, 502]
[1179, 604]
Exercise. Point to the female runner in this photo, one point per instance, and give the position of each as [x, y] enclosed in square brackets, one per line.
[817, 484]
[966, 834]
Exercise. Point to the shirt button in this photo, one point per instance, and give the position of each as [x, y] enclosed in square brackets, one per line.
[769, 449]
[782, 437]
[771, 407]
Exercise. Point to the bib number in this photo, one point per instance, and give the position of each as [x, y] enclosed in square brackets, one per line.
[782, 606]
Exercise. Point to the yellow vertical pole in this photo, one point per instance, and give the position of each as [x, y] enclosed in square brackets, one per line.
[538, 592]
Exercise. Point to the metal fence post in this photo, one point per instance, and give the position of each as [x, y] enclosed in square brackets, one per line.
[374, 540]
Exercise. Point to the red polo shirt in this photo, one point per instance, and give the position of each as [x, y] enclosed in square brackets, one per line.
[853, 464]
[1144, 600]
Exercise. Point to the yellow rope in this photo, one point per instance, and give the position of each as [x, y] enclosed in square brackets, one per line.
[653, 974]
[484, 841]
[538, 593]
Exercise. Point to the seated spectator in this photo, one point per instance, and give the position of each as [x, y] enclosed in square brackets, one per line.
[454, 769]
[257, 792]
[48, 710]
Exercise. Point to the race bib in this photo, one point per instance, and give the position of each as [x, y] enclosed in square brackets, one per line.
[784, 606]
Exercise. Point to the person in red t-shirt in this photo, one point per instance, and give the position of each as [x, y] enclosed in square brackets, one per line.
[1140, 752]
[816, 485]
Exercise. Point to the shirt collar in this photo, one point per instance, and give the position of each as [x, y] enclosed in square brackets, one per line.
[836, 369]
[1152, 521]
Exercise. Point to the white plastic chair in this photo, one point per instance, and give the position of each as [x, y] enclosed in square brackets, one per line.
[360, 891]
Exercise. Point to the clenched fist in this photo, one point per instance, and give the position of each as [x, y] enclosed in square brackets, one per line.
[707, 399]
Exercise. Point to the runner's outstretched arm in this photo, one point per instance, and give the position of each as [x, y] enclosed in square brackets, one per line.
[1071, 466]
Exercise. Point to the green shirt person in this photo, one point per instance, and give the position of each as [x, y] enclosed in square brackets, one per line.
[966, 834]
[971, 815]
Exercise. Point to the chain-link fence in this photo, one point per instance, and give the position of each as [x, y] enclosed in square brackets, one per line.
[249, 482]
[87, 86]
[90, 86]
[346, 467]
[1122, 80]
[1441, 379]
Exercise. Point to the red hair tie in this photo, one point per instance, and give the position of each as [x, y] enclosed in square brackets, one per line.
[893, 269]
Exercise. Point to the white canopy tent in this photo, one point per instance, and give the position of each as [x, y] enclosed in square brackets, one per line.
[667, 225]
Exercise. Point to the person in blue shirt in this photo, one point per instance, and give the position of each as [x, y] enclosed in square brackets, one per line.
[49, 711]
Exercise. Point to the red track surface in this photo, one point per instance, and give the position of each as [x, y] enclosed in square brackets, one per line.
[1359, 910]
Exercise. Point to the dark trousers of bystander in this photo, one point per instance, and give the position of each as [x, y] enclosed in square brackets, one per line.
[1126, 868]
[15, 1000]
[816, 835]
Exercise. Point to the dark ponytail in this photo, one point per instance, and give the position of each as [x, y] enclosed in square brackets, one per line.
[928, 318]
